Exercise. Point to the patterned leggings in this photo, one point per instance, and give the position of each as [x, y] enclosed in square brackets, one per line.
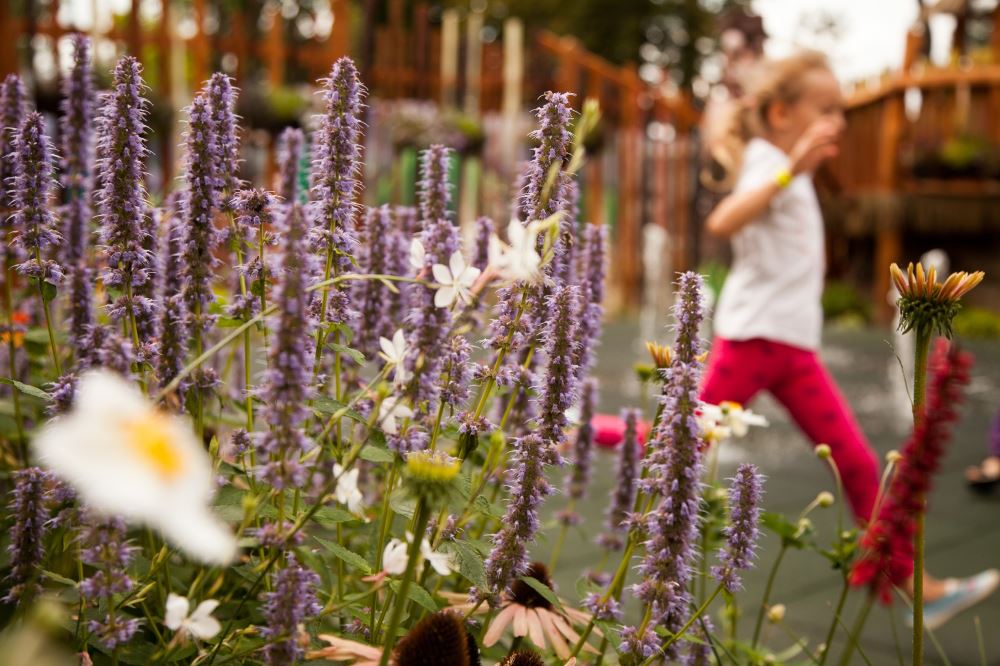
[738, 370]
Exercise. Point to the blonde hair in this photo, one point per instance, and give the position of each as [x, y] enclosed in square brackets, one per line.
[774, 81]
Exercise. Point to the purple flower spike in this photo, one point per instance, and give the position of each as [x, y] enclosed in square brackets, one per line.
[563, 265]
[592, 304]
[12, 109]
[676, 474]
[27, 546]
[174, 336]
[222, 101]
[527, 487]
[33, 219]
[291, 603]
[337, 163]
[202, 199]
[290, 146]
[623, 495]
[372, 296]
[435, 190]
[481, 253]
[106, 549]
[741, 534]
[287, 387]
[583, 446]
[76, 126]
[455, 391]
[553, 148]
[557, 392]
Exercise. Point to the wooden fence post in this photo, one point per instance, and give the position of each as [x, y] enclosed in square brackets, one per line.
[200, 50]
[888, 230]
[513, 82]
[449, 58]
[8, 40]
[473, 61]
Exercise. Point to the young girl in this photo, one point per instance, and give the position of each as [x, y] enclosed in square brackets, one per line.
[768, 319]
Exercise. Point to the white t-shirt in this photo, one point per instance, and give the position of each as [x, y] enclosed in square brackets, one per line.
[774, 287]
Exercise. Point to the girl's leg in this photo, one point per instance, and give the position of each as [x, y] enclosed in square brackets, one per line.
[737, 370]
[812, 398]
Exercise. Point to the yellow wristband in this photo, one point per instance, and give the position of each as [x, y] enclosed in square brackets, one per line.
[783, 177]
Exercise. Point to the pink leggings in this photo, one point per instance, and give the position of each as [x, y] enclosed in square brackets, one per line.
[739, 369]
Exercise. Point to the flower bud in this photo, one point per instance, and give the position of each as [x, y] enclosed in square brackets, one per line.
[776, 613]
[893, 456]
[823, 451]
[825, 499]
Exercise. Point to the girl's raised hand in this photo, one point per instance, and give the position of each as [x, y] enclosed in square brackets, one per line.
[816, 145]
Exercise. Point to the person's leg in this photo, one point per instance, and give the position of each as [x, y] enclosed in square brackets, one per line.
[737, 370]
[811, 396]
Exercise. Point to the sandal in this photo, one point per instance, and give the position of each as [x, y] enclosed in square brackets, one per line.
[984, 476]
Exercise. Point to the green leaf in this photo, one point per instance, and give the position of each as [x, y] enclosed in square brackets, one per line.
[402, 502]
[49, 291]
[27, 389]
[349, 557]
[417, 594]
[354, 354]
[326, 405]
[52, 575]
[332, 515]
[542, 589]
[376, 454]
[470, 562]
[229, 322]
[484, 507]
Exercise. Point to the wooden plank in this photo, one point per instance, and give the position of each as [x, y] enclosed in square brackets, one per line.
[449, 58]
[9, 33]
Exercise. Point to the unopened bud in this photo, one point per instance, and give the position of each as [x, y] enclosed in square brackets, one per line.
[776, 613]
[823, 451]
[824, 499]
[893, 456]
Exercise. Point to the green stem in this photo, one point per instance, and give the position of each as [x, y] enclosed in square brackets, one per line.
[561, 539]
[767, 594]
[413, 556]
[48, 325]
[921, 349]
[859, 623]
[687, 625]
[827, 644]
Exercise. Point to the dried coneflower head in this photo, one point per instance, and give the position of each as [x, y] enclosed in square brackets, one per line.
[525, 595]
[440, 638]
[926, 304]
[523, 658]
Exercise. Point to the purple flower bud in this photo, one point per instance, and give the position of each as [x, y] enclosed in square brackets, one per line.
[637, 647]
[222, 101]
[741, 533]
[553, 149]
[34, 220]
[291, 603]
[27, 547]
[290, 149]
[623, 493]
[607, 610]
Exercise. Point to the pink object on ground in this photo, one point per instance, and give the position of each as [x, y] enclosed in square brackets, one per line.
[609, 430]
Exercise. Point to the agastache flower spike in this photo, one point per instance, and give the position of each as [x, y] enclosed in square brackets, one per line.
[174, 334]
[557, 392]
[435, 191]
[583, 446]
[33, 219]
[222, 100]
[106, 549]
[291, 603]
[887, 546]
[76, 126]
[676, 464]
[553, 148]
[202, 199]
[372, 296]
[12, 108]
[290, 145]
[592, 303]
[623, 495]
[741, 533]
[481, 249]
[528, 487]
[27, 547]
[287, 387]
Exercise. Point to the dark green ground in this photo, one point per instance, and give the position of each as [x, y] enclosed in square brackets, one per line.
[962, 528]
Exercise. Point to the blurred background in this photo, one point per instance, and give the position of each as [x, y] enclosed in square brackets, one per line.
[919, 168]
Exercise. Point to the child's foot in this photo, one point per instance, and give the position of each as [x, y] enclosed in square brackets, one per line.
[985, 475]
[956, 594]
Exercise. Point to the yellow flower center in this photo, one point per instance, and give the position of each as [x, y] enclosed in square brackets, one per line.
[150, 437]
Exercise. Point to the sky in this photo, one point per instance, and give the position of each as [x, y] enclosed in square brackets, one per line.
[873, 38]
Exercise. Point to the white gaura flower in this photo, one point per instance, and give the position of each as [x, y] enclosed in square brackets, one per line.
[391, 409]
[519, 261]
[456, 280]
[732, 415]
[394, 353]
[200, 624]
[125, 457]
[394, 557]
[442, 563]
[711, 429]
[417, 255]
[347, 492]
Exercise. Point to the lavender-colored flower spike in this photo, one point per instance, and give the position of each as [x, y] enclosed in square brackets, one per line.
[337, 160]
[676, 465]
[481, 249]
[290, 145]
[592, 304]
[76, 126]
[33, 219]
[563, 265]
[292, 602]
[202, 199]
[12, 109]
[287, 387]
[372, 296]
[254, 210]
[623, 494]
[222, 101]
[174, 335]
[583, 446]
[27, 548]
[455, 391]
[741, 534]
[106, 549]
[553, 148]
[557, 391]
[435, 191]
[528, 487]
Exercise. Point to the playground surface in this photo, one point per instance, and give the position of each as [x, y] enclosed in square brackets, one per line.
[963, 528]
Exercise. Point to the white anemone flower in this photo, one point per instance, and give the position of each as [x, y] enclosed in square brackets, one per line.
[125, 457]
[347, 491]
[394, 557]
[417, 255]
[394, 353]
[391, 409]
[519, 261]
[456, 280]
[732, 415]
[200, 624]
